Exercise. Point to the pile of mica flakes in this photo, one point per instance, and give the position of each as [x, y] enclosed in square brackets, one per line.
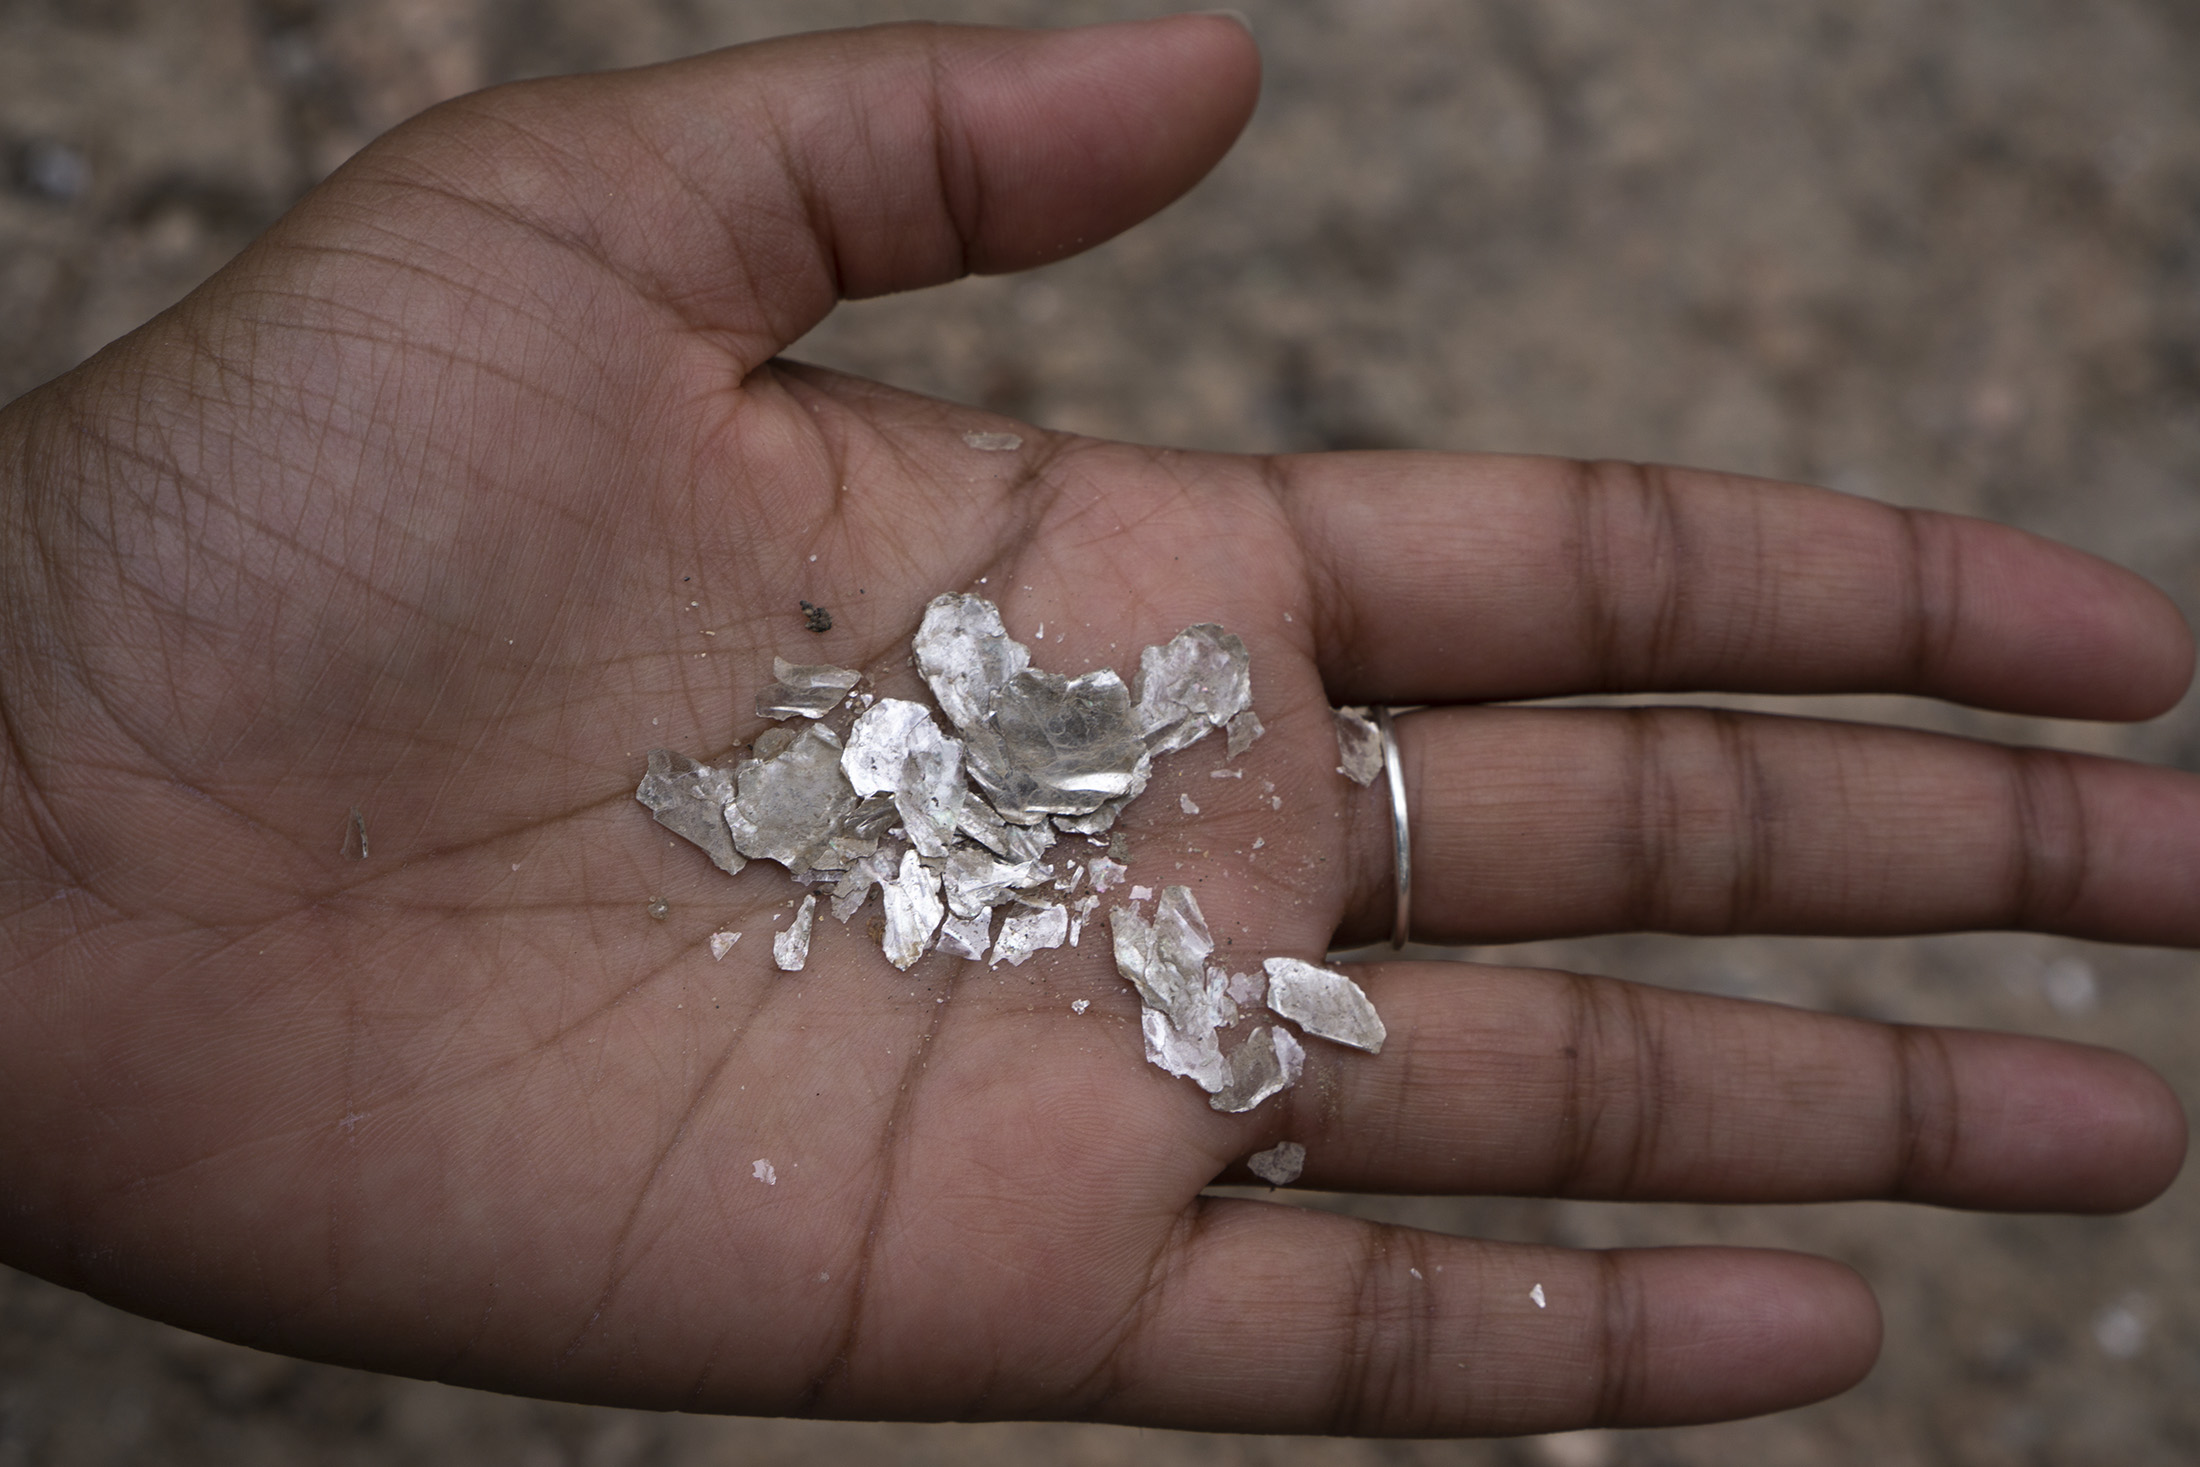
[1009, 814]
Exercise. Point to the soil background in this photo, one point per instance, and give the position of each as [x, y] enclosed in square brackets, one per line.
[1940, 252]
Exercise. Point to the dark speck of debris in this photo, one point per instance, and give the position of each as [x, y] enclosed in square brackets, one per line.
[816, 618]
[658, 908]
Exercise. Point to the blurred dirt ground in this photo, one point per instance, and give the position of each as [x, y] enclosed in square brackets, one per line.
[1944, 252]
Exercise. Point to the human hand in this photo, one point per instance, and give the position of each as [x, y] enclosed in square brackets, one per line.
[406, 511]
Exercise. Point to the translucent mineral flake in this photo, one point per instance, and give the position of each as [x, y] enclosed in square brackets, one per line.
[1053, 745]
[1196, 682]
[791, 949]
[790, 805]
[858, 881]
[808, 692]
[913, 910]
[1184, 803]
[1196, 1056]
[1359, 746]
[966, 655]
[994, 442]
[1166, 959]
[1078, 1006]
[896, 749]
[1280, 1165]
[966, 937]
[1025, 933]
[1247, 989]
[973, 881]
[1324, 1002]
[690, 800]
[763, 1172]
[722, 943]
[1267, 1061]
[1243, 729]
[1107, 874]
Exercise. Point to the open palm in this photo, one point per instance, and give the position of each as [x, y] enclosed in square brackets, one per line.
[477, 478]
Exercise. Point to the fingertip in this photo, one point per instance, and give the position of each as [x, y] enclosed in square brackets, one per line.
[1763, 1331]
[2055, 1127]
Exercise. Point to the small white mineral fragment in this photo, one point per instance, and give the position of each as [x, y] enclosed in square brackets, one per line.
[1184, 802]
[811, 692]
[1279, 1165]
[913, 911]
[966, 937]
[1028, 932]
[896, 749]
[1325, 1002]
[966, 655]
[994, 442]
[690, 800]
[722, 943]
[1187, 688]
[1078, 1006]
[1269, 1060]
[1536, 1294]
[1246, 988]
[1106, 874]
[791, 949]
[762, 1171]
[1242, 730]
[1359, 745]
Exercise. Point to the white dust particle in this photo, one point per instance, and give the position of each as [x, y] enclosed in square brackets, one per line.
[1536, 1294]
[762, 1171]
[1186, 802]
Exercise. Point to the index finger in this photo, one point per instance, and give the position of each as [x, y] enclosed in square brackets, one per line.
[1446, 579]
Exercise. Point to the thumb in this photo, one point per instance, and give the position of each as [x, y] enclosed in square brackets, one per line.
[752, 188]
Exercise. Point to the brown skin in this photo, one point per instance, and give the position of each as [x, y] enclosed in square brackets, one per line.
[405, 510]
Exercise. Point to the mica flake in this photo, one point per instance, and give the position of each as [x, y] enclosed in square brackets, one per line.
[913, 911]
[1190, 686]
[808, 692]
[791, 949]
[1280, 1165]
[1026, 933]
[1268, 1061]
[1324, 1002]
[1359, 747]
[895, 749]
[690, 799]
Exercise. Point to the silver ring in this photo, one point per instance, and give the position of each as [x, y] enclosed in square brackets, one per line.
[1401, 844]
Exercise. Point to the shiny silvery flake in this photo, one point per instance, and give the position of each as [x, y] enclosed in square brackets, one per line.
[690, 799]
[791, 805]
[810, 692]
[896, 749]
[913, 910]
[1243, 729]
[1280, 1165]
[978, 822]
[1025, 933]
[1107, 874]
[1059, 746]
[1196, 1056]
[1359, 746]
[858, 881]
[966, 937]
[1166, 959]
[1246, 989]
[1324, 1002]
[722, 943]
[1098, 821]
[1267, 1061]
[1196, 682]
[966, 655]
[791, 949]
[974, 881]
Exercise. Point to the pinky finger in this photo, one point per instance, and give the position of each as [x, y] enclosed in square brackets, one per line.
[1274, 1319]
